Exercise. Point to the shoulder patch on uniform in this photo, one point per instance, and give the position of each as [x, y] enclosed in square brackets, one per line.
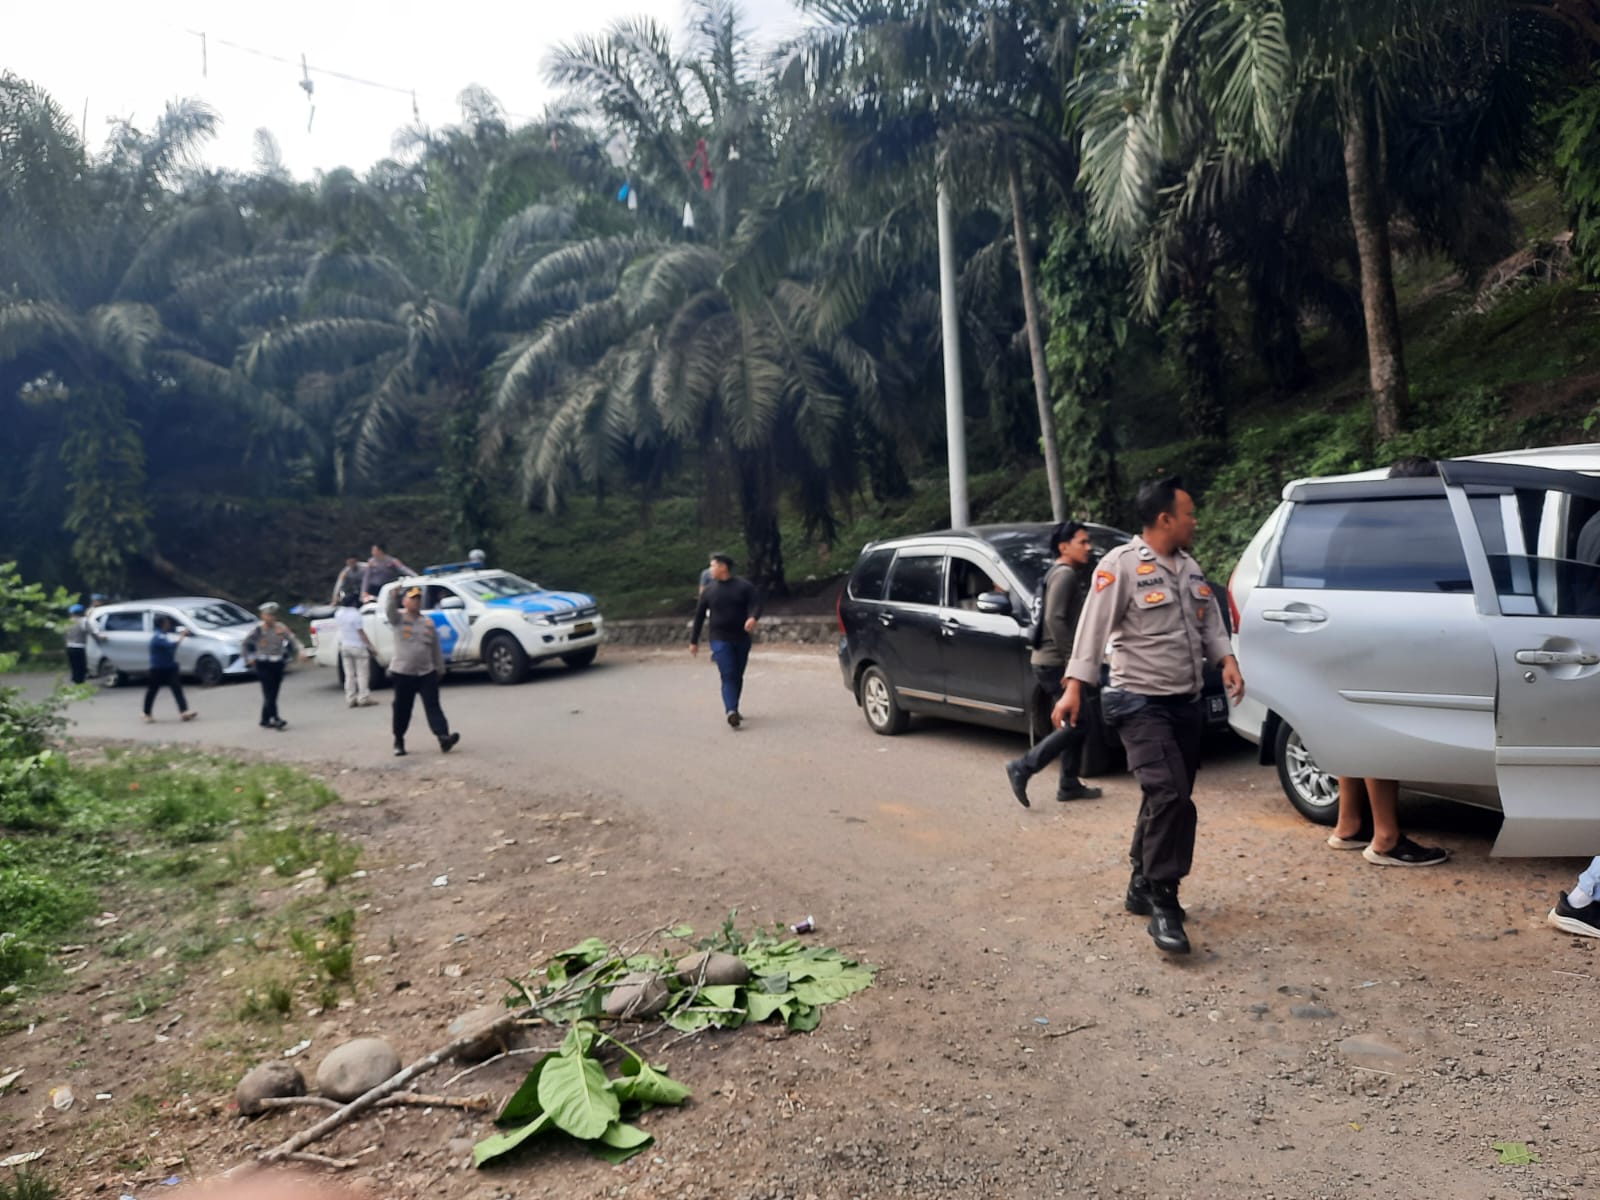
[1148, 568]
[1203, 590]
[1155, 597]
[1103, 580]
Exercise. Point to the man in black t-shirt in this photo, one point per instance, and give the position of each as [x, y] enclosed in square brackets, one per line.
[733, 606]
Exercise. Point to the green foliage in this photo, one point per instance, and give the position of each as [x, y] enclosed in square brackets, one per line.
[1087, 329]
[28, 1184]
[569, 1091]
[1575, 152]
[331, 950]
[104, 458]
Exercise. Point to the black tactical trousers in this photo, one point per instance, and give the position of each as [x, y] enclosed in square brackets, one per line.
[1163, 744]
[406, 690]
[1065, 743]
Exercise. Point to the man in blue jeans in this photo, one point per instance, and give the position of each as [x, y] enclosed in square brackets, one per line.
[733, 606]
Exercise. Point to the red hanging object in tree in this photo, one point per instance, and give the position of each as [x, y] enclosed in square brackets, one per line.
[701, 159]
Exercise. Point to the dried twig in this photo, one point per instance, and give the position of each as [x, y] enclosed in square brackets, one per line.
[1574, 974]
[411, 1099]
[489, 1062]
[1373, 1070]
[1072, 1029]
[322, 1160]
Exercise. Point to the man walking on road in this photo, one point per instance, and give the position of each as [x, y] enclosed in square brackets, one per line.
[416, 668]
[1064, 587]
[271, 648]
[733, 606]
[355, 652]
[1154, 599]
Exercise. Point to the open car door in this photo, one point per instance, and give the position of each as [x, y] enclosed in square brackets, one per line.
[1532, 537]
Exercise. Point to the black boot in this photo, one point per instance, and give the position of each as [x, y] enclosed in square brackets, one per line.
[1166, 919]
[399, 748]
[1017, 772]
[1138, 901]
[448, 742]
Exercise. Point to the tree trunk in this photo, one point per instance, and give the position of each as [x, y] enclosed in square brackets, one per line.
[1369, 215]
[1041, 374]
[763, 539]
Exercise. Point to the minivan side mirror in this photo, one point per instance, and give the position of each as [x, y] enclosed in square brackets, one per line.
[998, 603]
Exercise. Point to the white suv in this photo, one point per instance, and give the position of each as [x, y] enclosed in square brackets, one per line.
[1442, 631]
[485, 616]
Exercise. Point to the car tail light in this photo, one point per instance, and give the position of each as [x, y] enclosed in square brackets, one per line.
[838, 611]
[1233, 608]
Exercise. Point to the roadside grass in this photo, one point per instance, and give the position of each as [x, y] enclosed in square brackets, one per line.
[170, 849]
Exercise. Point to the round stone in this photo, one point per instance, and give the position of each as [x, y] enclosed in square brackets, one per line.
[636, 996]
[719, 969]
[479, 1025]
[356, 1068]
[269, 1080]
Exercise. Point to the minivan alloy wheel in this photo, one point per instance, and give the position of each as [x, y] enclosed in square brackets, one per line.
[878, 704]
[1313, 791]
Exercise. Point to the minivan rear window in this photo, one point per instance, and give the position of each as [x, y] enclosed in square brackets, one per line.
[1393, 544]
[866, 581]
[917, 579]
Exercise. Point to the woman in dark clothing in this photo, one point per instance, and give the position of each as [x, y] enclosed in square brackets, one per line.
[164, 669]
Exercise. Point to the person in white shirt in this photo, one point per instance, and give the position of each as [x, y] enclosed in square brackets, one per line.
[355, 652]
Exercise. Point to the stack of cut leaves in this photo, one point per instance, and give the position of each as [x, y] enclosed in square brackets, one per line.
[568, 1090]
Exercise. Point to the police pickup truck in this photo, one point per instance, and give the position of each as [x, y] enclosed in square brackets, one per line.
[486, 617]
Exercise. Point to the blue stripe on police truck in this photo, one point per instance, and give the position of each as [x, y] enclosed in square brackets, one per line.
[542, 602]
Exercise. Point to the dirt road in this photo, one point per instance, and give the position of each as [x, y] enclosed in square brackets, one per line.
[1341, 1029]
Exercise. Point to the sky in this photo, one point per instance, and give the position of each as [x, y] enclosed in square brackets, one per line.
[102, 61]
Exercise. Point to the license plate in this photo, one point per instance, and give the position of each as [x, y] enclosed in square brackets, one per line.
[1216, 706]
[582, 628]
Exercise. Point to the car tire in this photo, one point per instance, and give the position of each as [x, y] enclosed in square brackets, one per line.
[579, 659]
[876, 694]
[506, 659]
[1313, 791]
[106, 675]
[208, 671]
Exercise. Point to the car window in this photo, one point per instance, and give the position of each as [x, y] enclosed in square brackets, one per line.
[436, 594]
[125, 622]
[218, 615]
[498, 587]
[916, 579]
[965, 581]
[1389, 544]
[1029, 556]
[866, 581]
[1544, 551]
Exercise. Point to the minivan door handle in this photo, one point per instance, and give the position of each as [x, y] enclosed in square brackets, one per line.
[886, 620]
[1556, 658]
[1283, 616]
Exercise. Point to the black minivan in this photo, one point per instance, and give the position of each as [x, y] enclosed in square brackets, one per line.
[940, 624]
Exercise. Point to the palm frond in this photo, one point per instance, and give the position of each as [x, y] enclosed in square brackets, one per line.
[35, 327]
[328, 344]
[122, 332]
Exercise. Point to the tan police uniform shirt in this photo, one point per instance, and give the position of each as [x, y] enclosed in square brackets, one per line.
[1162, 624]
[416, 640]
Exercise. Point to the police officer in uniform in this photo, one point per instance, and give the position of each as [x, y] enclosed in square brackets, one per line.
[1153, 598]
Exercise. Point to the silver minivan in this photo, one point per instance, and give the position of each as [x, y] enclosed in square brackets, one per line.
[1444, 632]
[120, 651]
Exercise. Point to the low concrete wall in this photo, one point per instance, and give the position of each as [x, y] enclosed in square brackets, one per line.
[664, 631]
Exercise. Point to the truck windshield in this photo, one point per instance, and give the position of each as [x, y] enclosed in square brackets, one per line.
[497, 587]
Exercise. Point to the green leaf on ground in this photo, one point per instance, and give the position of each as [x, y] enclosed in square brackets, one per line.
[777, 984]
[689, 1020]
[829, 991]
[524, 1103]
[496, 1144]
[803, 1018]
[681, 932]
[1515, 1153]
[619, 1142]
[576, 1094]
[643, 1084]
[721, 995]
[761, 1006]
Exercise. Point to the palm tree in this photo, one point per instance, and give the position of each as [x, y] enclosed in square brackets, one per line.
[1206, 91]
[90, 247]
[977, 88]
[642, 348]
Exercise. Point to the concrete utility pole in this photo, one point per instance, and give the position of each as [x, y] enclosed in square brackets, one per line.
[954, 402]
